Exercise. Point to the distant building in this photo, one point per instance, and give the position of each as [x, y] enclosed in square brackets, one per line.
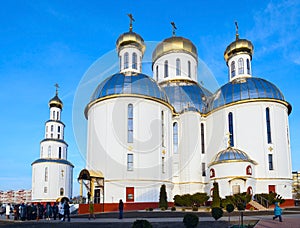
[296, 185]
[15, 196]
[52, 173]
[145, 131]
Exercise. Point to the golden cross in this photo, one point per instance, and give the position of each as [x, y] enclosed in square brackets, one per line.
[270, 149]
[62, 173]
[236, 30]
[131, 20]
[57, 86]
[174, 28]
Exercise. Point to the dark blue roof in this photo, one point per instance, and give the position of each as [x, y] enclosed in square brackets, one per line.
[133, 84]
[244, 89]
[61, 161]
[187, 96]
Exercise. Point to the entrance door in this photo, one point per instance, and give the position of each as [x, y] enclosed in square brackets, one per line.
[236, 189]
[97, 195]
[271, 188]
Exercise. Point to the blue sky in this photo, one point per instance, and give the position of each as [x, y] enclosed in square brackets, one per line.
[48, 42]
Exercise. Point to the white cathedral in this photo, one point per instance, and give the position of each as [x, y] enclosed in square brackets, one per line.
[146, 131]
[52, 173]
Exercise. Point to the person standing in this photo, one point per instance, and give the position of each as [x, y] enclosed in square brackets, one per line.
[55, 210]
[23, 212]
[7, 210]
[66, 210]
[121, 207]
[277, 212]
[48, 211]
[91, 210]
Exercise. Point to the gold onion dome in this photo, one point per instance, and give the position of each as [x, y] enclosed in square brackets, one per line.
[131, 38]
[56, 102]
[174, 44]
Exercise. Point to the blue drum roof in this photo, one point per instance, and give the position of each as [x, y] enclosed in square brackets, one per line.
[187, 96]
[49, 160]
[139, 84]
[244, 89]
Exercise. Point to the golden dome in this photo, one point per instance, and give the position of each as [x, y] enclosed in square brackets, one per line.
[56, 102]
[131, 38]
[174, 44]
[238, 46]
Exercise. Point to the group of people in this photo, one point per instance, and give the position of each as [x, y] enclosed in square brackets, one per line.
[39, 211]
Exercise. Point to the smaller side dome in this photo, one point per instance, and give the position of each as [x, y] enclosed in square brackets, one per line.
[131, 38]
[174, 44]
[231, 154]
[238, 46]
[56, 102]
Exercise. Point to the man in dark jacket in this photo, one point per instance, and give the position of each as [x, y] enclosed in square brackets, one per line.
[66, 211]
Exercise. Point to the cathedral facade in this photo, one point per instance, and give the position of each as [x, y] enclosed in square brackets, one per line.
[166, 128]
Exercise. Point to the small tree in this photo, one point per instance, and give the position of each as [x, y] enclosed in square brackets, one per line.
[229, 209]
[141, 224]
[216, 213]
[190, 220]
[163, 203]
[216, 200]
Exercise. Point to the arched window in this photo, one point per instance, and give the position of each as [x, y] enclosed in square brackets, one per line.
[189, 69]
[134, 60]
[57, 115]
[248, 66]
[212, 173]
[175, 137]
[249, 190]
[269, 138]
[178, 67]
[120, 64]
[166, 70]
[249, 170]
[202, 139]
[59, 152]
[241, 65]
[230, 127]
[53, 115]
[49, 151]
[130, 123]
[232, 69]
[156, 73]
[162, 129]
[41, 152]
[51, 127]
[126, 60]
[58, 129]
[61, 191]
[46, 174]
[140, 63]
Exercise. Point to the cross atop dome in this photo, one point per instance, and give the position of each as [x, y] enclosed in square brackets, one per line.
[131, 20]
[236, 31]
[173, 28]
[56, 90]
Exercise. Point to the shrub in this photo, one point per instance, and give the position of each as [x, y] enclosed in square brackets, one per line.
[188, 200]
[163, 197]
[216, 200]
[182, 209]
[229, 208]
[162, 208]
[173, 209]
[150, 209]
[141, 224]
[190, 220]
[216, 212]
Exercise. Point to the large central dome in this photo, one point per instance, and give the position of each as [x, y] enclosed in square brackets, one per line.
[121, 84]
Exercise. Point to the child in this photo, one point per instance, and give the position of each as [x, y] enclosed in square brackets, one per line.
[277, 212]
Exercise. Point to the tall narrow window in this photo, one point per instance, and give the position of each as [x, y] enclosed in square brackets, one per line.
[248, 66]
[269, 138]
[59, 152]
[232, 69]
[57, 115]
[166, 70]
[61, 191]
[178, 67]
[53, 115]
[162, 129]
[270, 158]
[241, 65]
[230, 127]
[175, 138]
[51, 127]
[46, 128]
[189, 69]
[126, 60]
[120, 64]
[202, 139]
[58, 129]
[46, 174]
[129, 162]
[130, 124]
[45, 189]
[203, 169]
[49, 151]
[134, 60]
[156, 73]
[163, 165]
[41, 152]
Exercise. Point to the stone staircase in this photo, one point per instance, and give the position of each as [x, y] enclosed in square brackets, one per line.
[257, 206]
